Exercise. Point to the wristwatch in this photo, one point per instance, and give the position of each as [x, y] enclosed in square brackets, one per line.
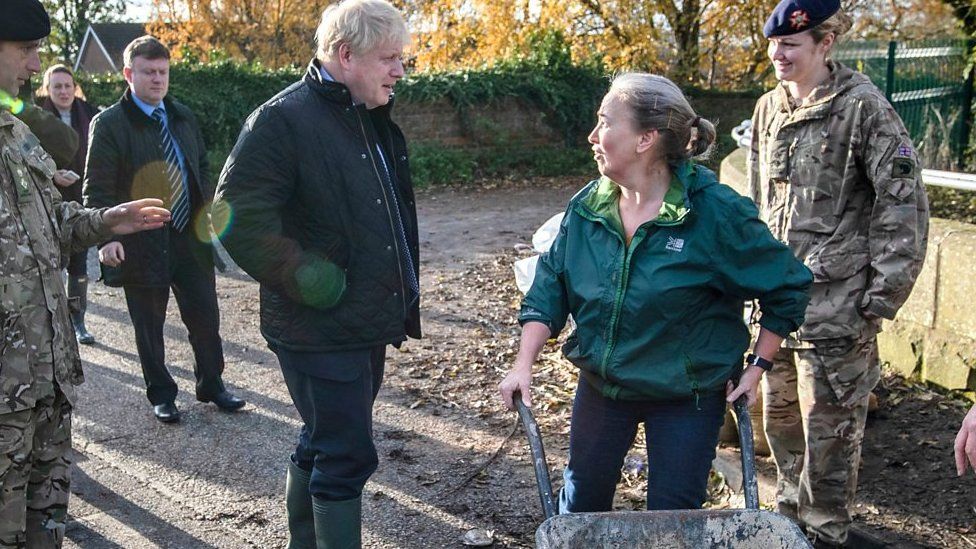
[756, 360]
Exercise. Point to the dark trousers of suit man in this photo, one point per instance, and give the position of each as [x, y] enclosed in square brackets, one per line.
[193, 284]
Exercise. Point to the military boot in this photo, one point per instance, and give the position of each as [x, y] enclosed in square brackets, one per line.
[78, 304]
[298, 501]
[338, 524]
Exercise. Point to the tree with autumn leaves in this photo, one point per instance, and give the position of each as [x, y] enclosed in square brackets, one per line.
[710, 43]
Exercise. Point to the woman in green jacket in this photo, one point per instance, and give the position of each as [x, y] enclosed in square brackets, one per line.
[654, 261]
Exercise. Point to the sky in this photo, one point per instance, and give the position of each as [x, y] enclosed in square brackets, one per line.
[137, 10]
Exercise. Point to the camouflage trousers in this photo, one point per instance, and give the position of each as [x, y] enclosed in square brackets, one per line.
[815, 407]
[35, 447]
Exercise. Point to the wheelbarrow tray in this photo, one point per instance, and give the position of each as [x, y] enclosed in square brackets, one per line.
[699, 528]
[729, 528]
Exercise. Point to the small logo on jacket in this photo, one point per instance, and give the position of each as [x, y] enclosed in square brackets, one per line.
[675, 244]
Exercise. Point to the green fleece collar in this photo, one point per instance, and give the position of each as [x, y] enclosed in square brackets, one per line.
[603, 200]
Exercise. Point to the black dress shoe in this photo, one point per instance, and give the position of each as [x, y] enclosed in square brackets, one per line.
[167, 412]
[225, 401]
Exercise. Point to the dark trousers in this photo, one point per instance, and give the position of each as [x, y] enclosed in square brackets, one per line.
[78, 264]
[196, 296]
[336, 406]
[681, 440]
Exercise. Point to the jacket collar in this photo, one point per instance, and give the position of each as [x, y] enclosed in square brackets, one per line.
[6, 118]
[686, 179]
[136, 115]
[841, 79]
[336, 92]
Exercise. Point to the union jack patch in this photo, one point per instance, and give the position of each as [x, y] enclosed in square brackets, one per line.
[799, 19]
[904, 151]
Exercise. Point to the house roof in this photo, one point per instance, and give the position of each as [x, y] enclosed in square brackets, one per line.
[113, 38]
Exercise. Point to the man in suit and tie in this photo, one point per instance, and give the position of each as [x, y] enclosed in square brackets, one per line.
[147, 145]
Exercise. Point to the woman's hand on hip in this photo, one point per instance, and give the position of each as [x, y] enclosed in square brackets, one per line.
[748, 385]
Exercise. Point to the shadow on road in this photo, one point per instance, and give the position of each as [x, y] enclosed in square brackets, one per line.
[150, 526]
[83, 536]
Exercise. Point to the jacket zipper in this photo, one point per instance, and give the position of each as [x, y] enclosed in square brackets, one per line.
[618, 299]
[389, 214]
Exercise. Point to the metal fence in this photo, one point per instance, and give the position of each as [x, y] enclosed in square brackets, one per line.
[927, 83]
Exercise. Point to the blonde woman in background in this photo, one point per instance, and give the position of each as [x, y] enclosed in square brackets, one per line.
[60, 95]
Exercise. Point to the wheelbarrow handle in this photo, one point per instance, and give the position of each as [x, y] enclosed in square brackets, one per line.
[538, 455]
[750, 487]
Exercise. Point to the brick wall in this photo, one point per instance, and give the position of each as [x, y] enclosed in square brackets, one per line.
[500, 122]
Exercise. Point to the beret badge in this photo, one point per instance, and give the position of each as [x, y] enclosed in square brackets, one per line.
[799, 19]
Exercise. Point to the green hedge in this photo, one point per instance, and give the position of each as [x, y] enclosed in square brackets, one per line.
[222, 94]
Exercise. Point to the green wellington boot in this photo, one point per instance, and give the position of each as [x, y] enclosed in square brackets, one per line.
[338, 524]
[298, 501]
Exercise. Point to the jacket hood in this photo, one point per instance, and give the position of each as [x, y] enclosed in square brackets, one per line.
[842, 78]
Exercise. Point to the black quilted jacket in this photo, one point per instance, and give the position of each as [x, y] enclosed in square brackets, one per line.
[125, 162]
[302, 185]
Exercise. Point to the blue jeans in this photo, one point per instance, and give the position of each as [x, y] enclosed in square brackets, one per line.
[336, 405]
[681, 440]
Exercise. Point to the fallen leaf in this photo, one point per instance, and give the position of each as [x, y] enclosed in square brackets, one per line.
[477, 537]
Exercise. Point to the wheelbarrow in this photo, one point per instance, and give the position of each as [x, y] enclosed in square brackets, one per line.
[700, 528]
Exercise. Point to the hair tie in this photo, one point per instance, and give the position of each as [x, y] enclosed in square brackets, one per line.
[694, 123]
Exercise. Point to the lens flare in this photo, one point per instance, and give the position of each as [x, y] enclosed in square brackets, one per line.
[221, 217]
[201, 225]
[12, 104]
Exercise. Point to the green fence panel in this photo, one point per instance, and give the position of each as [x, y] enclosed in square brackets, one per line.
[926, 82]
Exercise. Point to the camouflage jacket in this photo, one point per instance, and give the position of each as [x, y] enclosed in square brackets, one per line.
[57, 138]
[839, 181]
[37, 233]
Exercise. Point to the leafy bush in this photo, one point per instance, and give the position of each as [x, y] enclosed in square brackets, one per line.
[545, 76]
[435, 164]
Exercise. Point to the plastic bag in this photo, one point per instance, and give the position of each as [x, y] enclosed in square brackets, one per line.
[541, 242]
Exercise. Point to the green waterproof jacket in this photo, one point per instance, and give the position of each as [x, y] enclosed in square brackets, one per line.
[661, 319]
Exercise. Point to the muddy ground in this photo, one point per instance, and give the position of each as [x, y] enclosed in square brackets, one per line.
[450, 460]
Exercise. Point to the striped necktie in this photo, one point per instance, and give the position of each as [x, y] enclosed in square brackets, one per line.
[179, 200]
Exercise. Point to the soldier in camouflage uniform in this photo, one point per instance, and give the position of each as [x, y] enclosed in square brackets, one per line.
[836, 177]
[39, 362]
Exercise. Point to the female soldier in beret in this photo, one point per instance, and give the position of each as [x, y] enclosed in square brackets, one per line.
[836, 177]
